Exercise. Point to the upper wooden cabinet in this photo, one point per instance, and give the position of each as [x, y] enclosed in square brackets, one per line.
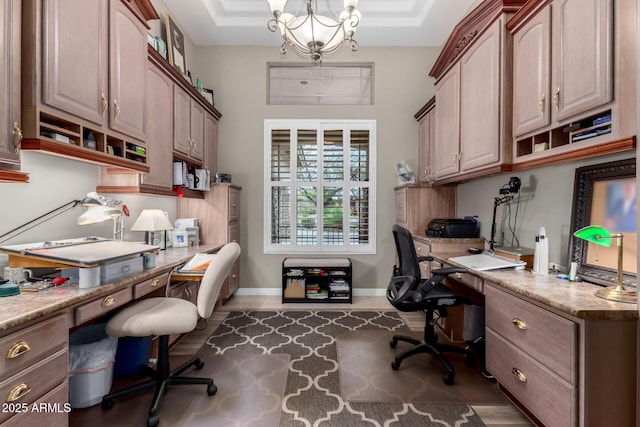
[188, 136]
[473, 94]
[10, 121]
[567, 56]
[426, 141]
[84, 79]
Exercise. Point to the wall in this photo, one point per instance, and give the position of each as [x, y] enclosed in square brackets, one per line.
[546, 196]
[238, 78]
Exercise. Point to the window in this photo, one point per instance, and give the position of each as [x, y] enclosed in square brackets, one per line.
[319, 186]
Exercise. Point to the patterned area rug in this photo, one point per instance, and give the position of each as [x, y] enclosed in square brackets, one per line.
[312, 394]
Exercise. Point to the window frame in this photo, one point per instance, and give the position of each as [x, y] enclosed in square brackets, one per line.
[320, 126]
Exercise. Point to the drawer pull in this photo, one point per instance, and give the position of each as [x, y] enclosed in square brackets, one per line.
[108, 301]
[520, 376]
[233, 276]
[458, 275]
[519, 323]
[17, 349]
[155, 282]
[17, 392]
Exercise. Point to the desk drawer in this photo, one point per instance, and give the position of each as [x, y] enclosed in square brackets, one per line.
[234, 204]
[552, 400]
[473, 282]
[57, 413]
[32, 383]
[545, 336]
[102, 305]
[23, 348]
[148, 286]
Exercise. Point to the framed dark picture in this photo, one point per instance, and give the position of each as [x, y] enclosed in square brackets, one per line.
[175, 46]
[208, 94]
[605, 195]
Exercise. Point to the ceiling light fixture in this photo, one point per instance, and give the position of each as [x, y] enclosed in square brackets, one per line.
[314, 35]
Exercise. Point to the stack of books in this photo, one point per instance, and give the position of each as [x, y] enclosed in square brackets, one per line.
[339, 289]
[315, 292]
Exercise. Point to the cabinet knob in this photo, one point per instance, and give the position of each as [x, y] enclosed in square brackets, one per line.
[155, 282]
[105, 104]
[556, 98]
[541, 104]
[520, 376]
[519, 323]
[117, 109]
[17, 131]
[108, 301]
[17, 392]
[17, 349]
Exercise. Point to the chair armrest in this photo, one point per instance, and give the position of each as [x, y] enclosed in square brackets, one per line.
[448, 270]
[425, 258]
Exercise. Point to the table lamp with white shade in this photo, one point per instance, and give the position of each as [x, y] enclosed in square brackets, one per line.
[152, 221]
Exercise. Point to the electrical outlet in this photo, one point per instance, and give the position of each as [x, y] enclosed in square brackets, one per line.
[557, 267]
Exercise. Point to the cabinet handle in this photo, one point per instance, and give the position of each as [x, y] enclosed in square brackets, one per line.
[17, 392]
[117, 108]
[541, 105]
[556, 98]
[233, 276]
[108, 301]
[458, 275]
[17, 349]
[17, 131]
[155, 282]
[520, 376]
[105, 104]
[519, 323]
[234, 205]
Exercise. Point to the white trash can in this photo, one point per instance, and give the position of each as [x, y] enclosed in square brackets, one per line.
[91, 358]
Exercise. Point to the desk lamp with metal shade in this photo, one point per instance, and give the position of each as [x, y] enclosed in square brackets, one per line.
[601, 236]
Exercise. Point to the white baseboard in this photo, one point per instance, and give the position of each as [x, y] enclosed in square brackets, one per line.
[357, 292]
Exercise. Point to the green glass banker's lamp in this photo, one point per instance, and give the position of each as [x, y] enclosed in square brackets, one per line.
[602, 236]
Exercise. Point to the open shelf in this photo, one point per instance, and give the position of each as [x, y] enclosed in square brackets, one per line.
[316, 280]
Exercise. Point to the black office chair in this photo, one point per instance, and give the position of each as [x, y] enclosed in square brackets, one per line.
[408, 291]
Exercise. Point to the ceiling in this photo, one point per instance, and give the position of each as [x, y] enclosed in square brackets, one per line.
[384, 22]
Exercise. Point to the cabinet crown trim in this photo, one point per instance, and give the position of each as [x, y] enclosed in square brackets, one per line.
[467, 30]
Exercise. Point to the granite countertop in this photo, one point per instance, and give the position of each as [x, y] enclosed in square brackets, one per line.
[573, 298]
[28, 306]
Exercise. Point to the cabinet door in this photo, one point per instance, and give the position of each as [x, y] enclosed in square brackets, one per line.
[74, 46]
[424, 147]
[531, 74]
[9, 78]
[160, 130]
[197, 131]
[582, 37]
[480, 101]
[181, 121]
[128, 71]
[448, 124]
[211, 143]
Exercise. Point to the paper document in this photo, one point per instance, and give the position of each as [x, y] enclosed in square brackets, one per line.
[483, 262]
[197, 264]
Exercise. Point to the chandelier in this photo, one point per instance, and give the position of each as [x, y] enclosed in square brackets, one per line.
[314, 35]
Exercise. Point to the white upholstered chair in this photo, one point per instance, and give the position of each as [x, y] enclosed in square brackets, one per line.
[163, 316]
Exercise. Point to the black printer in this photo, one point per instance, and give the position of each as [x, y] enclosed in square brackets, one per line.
[452, 228]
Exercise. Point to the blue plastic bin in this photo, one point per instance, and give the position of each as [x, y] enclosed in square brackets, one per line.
[131, 353]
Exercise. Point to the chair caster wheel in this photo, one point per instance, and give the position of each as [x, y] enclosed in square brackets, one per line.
[198, 364]
[211, 389]
[107, 403]
[395, 365]
[448, 378]
[469, 360]
[393, 343]
[153, 421]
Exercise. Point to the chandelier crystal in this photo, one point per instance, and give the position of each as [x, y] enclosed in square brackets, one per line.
[314, 35]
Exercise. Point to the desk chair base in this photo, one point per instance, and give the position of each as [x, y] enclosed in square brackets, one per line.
[162, 377]
[430, 345]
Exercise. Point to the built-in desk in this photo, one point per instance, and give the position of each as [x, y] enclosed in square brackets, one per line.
[566, 356]
[34, 331]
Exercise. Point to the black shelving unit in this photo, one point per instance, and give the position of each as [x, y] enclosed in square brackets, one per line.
[319, 280]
